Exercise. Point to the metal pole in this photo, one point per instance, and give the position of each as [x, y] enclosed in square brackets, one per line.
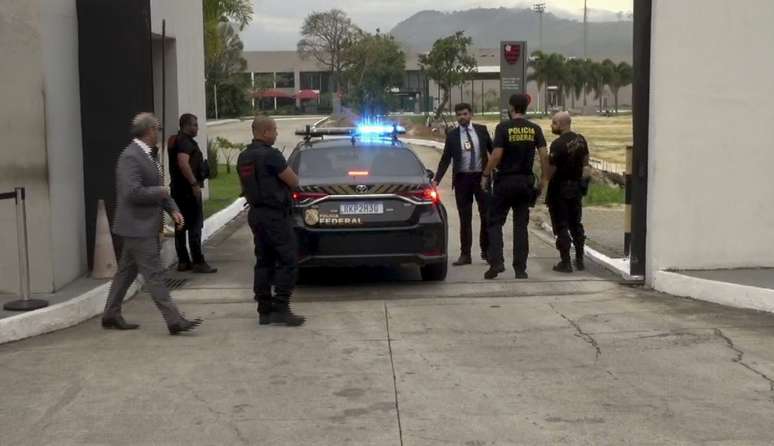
[26, 303]
[215, 96]
[163, 96]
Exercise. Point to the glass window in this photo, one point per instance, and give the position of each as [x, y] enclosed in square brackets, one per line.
[285, 80]
[384, 161]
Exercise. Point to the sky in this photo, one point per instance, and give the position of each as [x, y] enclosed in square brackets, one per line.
[276, 23]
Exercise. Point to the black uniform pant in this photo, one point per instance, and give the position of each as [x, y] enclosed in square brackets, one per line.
[467, 187]
[566, 209]
[276, 257]
[191, 232]
[511, 192]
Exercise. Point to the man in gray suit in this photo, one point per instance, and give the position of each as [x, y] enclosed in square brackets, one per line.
[140, 198]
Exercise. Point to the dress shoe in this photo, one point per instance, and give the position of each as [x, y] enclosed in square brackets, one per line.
[184, 266]
[264, 318]
[204, 268]
[563, 267]
[493, 271]
[118, 323]
[183, 326]
[463, 260]
[580, 265]
[521, 275]
[286, 317]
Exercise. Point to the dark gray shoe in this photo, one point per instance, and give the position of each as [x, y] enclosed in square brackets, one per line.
[183, 326]
[118, 323]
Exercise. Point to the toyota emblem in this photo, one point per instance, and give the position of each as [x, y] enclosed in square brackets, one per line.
[361, 188]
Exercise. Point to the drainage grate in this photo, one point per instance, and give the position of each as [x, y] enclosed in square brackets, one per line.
[174, 284]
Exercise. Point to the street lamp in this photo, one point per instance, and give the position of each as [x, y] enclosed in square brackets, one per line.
[540, 8]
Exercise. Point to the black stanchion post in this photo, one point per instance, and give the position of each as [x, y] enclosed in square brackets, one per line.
[25, 303]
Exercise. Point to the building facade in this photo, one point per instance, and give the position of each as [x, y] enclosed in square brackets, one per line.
[74, 72]
[289, 73]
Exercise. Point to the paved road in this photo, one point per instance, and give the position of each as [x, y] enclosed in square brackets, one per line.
[388, 360]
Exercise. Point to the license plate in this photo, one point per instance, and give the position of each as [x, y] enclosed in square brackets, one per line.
[362, 208]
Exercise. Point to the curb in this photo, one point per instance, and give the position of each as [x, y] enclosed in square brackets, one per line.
[723, 293]
[92, 303]
[221, 122]
[619, 267]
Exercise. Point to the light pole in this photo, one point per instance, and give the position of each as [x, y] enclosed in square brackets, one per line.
[585, 30]
[540, 8]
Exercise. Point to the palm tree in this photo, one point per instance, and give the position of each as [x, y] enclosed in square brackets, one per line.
[621, 76]
[576, 78]
[599, 77]
[548, 70]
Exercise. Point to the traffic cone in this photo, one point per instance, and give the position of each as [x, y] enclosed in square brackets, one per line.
[104, 255]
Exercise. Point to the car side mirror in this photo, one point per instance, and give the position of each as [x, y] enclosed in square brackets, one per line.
[430, 174]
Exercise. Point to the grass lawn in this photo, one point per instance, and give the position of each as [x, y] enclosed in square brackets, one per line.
[223, 191]
[604, 195]
[607, 137]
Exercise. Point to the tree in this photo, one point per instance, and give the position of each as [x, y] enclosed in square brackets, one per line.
[326, 38]
[225, 74]
[239, 12]
[576, 78]
[621, 75]
[448, 64]
[223, 60]
[548, 70]
[376, 64]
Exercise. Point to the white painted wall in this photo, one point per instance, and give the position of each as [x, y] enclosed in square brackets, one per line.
[23, 160]
[711, 148]
[59, 32]
[184, 23]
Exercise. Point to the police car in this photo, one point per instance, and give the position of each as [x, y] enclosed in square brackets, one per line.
[365, 199]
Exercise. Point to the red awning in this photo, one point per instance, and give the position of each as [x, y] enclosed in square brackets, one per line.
[307, 94]
[271, 93]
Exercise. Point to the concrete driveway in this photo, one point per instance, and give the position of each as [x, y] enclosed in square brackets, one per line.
[388, 360]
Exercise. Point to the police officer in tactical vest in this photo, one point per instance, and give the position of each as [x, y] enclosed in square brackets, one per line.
[267, 182]
[569, 159]
[515, 144]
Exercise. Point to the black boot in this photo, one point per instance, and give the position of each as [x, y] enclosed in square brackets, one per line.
[579, 256]
[565, 266]
[281, 314]
[494, 271]
[264, 312]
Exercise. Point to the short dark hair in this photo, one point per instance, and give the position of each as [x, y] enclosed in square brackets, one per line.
[187, 119]
[519, 102]
[463, 106]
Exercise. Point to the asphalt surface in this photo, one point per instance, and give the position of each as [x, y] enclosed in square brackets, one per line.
[388, 360]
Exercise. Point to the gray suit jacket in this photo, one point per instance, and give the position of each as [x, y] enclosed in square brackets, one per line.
[139, 195]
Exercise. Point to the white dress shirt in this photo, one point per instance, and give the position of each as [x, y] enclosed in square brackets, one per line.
[475, 150]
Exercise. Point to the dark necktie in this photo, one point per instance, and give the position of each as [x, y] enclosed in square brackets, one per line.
[472, 151]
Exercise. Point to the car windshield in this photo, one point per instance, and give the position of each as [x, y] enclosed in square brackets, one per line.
[342, 161]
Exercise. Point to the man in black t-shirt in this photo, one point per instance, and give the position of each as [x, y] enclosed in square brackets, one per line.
[266, 185]
[515, 144]
[186, 171]
[568, 159]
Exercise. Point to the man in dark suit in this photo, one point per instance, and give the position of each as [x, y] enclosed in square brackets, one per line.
[468, 147]
[140, 198]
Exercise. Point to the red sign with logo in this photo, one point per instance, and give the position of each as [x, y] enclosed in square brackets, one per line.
[512, 53]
